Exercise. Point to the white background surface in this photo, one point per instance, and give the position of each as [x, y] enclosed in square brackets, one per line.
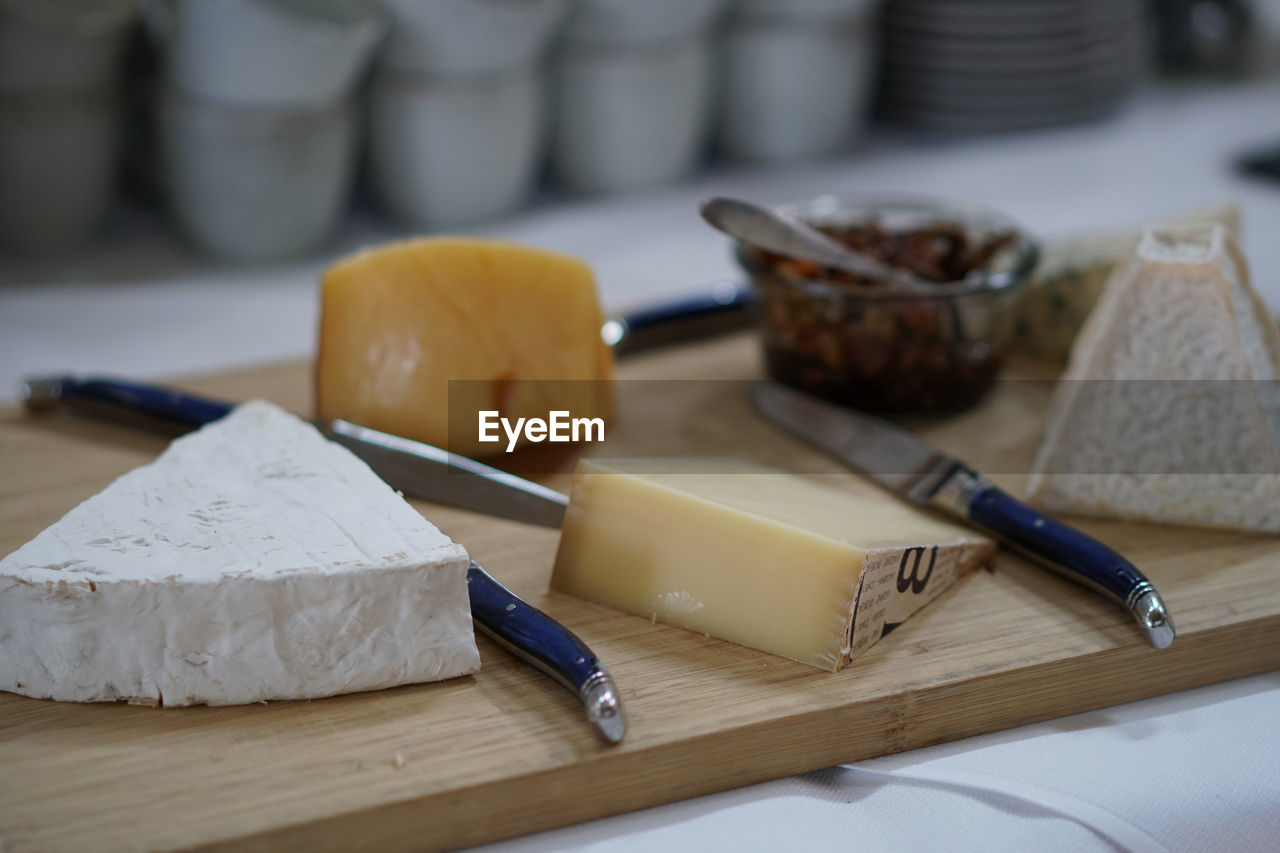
[141, 304]
[1190, 772]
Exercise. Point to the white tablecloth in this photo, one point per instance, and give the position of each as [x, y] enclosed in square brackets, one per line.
[1194, 771]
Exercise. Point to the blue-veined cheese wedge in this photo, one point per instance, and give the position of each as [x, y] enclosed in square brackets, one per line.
[1072, 274]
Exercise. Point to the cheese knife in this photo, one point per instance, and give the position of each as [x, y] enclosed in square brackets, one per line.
[425, 472]
[923, 475]
[717, 308]
[417, 468]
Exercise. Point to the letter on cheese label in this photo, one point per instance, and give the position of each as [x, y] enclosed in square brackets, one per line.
[502, 322]
[754, 555]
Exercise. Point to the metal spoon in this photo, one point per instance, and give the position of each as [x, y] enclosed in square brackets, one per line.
[787, 235]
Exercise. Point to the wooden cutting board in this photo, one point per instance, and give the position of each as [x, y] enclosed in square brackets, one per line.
[506, 752]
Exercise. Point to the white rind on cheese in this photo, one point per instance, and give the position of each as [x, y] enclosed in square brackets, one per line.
[1073, 272]
[755, 555]
[1167, 411]
[252, 560]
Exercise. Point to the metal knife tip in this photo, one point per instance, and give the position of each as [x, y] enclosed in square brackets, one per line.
[1153, 617]
[604, 708]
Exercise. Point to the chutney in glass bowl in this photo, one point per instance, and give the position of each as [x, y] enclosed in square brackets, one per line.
[870, 344]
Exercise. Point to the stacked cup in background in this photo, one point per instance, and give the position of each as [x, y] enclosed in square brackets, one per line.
[796, 77]
[633, 92]
[457, 108]
[60, 63]
[258, 118]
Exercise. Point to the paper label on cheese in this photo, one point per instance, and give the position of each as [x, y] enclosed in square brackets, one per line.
[896, 584]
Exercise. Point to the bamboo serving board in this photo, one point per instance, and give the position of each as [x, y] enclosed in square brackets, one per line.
[507, 752]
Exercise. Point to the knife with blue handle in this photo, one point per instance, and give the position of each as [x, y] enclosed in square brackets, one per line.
[718, 308]
[436, 475]
[923, 475]
[425, 472]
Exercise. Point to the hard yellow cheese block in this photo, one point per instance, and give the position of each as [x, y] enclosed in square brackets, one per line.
[398, 322]
[755, 555]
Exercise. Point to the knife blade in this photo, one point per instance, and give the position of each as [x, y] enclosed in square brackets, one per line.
[434, 474]
[416, 468]
[924, 475]
[429, 473]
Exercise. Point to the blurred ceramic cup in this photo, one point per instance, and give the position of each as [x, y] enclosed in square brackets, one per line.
[450, 152]
[248, 184]
[57, 169]
[802, 11]
[630, 119]
[463, 38]
[61, 46]
[794, 90]
[281, 53]
[638, 23]
[59, 75]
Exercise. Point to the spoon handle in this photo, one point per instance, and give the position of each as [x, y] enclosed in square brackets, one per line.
[785, 235]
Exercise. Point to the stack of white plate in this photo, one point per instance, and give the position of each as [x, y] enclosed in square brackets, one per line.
[972, 66]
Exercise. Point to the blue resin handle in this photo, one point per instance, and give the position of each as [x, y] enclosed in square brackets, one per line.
[1075, 554]
[536, 636]
[719, 308]
[168, 404]
[542, 641]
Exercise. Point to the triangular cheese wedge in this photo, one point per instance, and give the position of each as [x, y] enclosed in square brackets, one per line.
[1168, 410]
[252, 560]
[756, 556]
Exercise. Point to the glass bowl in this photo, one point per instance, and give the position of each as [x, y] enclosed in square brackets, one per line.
[865, 344]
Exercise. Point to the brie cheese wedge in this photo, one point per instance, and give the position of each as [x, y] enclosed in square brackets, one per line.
[252, 560]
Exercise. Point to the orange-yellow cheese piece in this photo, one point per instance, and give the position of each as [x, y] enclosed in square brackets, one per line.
[400, 321]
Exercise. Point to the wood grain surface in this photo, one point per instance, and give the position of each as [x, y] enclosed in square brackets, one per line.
[507, 752]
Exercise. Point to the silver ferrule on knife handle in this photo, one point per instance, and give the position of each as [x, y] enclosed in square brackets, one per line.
[543, 642]
[1143, 602]
[956, 491]
[598, 693]
[41, 392]
[1149, 610]
[604, 707]
[955, 496]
